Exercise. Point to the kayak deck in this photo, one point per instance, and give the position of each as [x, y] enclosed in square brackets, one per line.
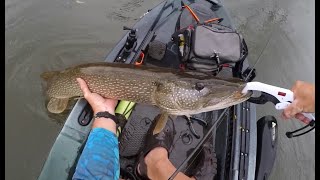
[228, 142]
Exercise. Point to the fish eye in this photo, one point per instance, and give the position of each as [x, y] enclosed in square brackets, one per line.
[199, 86]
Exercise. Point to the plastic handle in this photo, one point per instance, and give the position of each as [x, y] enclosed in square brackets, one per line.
[283, 105]
[283, 95]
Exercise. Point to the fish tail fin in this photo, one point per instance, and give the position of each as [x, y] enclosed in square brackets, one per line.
[57, 105]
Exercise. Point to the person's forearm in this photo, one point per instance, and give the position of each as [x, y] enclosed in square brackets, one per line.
[105, 123]
[100, 156]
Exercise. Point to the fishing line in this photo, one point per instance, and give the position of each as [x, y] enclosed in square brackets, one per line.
[215, 123]
[151, 30]
[226, 113]
[199, 144]
[196, 155]
[288, 134]
[126, 108]
[126, 112]
[252, 68]
[219, 119]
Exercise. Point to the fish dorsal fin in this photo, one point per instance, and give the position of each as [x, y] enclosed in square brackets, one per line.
[48, 75]
[57, 105]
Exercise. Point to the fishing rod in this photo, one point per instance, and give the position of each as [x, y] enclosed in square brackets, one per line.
[151, 30]
[199, 144]
[252, 69]
[289, 134]
[215, 123]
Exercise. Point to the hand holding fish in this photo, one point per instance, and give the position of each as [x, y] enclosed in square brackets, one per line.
[99, 104]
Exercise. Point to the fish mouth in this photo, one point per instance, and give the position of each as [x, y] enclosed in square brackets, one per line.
[233, 99]
[240, 95]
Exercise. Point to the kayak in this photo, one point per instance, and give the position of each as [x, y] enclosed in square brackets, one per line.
[237, 138]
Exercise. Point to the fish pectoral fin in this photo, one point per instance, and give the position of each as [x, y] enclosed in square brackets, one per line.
[57, 105]
[161, 122]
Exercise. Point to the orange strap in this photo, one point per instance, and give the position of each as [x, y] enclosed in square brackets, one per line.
[211, 20]
[196, 17]
[192, 13]
[140, 60]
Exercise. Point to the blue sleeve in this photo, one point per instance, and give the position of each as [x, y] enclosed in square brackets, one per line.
[100, 157]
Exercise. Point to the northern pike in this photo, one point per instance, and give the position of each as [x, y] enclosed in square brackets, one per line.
[174, 91]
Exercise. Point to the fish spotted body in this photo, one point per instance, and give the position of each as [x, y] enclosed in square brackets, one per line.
[173, 91]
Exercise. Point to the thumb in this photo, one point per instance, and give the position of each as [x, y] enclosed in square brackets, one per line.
[292, 110]
[83, 87]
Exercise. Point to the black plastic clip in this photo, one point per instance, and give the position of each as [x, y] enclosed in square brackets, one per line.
[312, 124]
[193, 131]
[263, 99]
[86, 116]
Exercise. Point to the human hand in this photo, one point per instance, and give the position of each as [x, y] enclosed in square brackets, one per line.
[304, 101]
[97, 102]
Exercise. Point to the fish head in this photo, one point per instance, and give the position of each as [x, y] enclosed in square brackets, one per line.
[215, 93]
[193, 96]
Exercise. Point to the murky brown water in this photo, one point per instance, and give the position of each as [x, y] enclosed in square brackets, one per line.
[43, 35]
